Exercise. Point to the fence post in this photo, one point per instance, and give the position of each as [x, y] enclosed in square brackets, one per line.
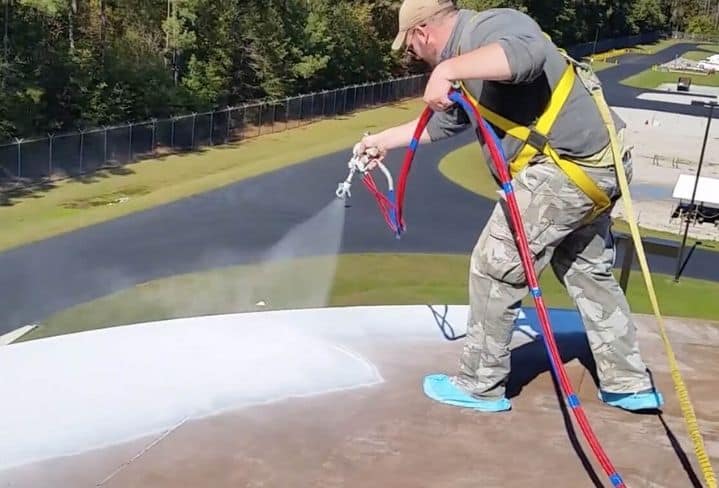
[260, 109]
[104, 160]
[129, 146]
[244, 121]
[312, 111]
[227, 129]
[19, 156]
[212, 127]
[154, 136]
[192, 137]
[274, 114]
[49, 158]
[287, 112]
[82, 148]
[172, 134]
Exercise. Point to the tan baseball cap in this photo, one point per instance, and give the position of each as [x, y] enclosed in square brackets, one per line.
[414, 12]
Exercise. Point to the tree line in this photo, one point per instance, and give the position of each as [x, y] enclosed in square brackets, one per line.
[73, 64]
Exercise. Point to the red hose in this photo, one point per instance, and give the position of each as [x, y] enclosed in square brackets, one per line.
[486, 133]
[407, 163]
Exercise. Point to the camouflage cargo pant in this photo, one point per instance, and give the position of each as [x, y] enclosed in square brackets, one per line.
[581, 256]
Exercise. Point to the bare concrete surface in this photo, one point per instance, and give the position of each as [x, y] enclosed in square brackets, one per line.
[392, 435]
[665, 146]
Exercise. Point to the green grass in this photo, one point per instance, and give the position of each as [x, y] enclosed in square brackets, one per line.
[699, 55]
[359, 279]
[466, 167]
[649, 79]
[709, 47]
[696, 55]
[72, 204]
[656, 46]
[601, 65]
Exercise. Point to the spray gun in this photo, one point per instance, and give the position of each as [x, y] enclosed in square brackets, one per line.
[359, 164]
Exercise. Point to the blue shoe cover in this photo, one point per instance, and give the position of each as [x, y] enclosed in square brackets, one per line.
[645, 400]
[439, 387]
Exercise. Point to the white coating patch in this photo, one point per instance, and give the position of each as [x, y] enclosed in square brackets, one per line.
[73, 393]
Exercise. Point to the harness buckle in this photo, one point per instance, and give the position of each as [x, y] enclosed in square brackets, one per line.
[537, 140]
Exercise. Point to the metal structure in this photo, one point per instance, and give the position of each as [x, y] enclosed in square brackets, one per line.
[689, 213]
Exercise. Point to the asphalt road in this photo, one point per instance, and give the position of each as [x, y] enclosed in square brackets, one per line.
[631, 64]
[238, 223]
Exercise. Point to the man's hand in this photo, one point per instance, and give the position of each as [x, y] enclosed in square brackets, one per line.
[377, 145]
[371, 147]
[436, 94]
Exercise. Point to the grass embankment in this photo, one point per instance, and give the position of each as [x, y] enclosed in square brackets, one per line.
[466, 168]
[72, 204]
[603, 60]
[655, 47]
[360, 279]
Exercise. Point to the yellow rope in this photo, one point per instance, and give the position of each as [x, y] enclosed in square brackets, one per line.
[681, 390]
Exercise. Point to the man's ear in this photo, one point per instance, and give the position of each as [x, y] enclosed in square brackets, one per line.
[422, 32]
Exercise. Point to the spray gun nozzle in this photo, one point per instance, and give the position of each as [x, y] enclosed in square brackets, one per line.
[343, 190]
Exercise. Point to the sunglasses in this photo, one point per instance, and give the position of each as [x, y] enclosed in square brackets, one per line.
[409, 50]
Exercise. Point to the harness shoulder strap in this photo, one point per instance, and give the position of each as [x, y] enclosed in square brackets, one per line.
[536, 139]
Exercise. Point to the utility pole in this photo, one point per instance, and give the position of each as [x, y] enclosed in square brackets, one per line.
[596, 38]
[692, 211]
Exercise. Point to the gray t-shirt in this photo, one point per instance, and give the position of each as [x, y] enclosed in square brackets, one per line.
[536, 66]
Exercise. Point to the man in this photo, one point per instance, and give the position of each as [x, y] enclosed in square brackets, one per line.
[506, 63]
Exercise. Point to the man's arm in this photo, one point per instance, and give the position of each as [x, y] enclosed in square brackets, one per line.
[484, 63]
[394, 137]
[513, 49]
[505, 46]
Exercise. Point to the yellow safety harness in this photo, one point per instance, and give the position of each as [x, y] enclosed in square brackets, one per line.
[535, 140]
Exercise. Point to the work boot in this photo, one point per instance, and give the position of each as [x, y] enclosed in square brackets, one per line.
[649, 399]
[440, 387]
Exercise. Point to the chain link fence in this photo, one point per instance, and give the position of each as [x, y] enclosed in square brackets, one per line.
[579, 51]
[78, 153]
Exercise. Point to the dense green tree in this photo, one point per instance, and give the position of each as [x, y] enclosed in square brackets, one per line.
[69, 64]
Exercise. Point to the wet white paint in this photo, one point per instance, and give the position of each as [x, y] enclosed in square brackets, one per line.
[73, 393]
[68, 394]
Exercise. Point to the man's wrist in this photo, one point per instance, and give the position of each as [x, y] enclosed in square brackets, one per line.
[445, 70]
[371, 140]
